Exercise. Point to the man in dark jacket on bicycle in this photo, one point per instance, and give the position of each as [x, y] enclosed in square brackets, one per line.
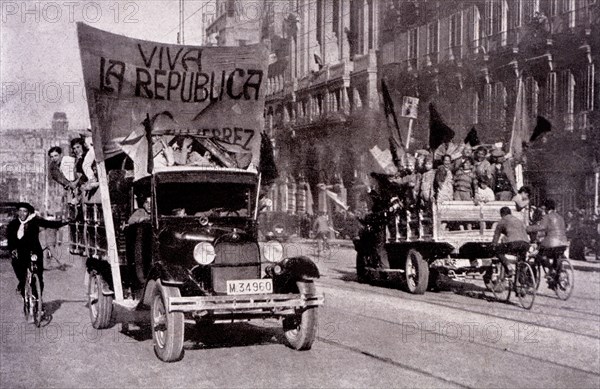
[516, 240]
[23, 241]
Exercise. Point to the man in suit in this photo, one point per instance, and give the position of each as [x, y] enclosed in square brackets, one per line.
[23, 241]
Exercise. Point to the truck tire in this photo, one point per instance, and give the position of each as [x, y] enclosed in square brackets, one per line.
[168, 328]
[416, 273]
[100, 305]
[300, 330]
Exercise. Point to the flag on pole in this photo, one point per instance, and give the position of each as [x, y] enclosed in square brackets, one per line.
[439, 132]
[520, 125]
[388, 109]
[267, 166]
[472, 139]
[542, 126]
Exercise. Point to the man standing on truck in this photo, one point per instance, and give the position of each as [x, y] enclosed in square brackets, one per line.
[516, 241]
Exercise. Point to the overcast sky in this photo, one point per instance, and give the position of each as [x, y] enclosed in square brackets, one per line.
[40, 67]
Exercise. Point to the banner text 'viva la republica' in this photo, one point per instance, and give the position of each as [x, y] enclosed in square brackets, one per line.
[175, 74]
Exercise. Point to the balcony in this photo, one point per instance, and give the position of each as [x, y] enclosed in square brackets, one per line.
[366, 62]
[340, 70]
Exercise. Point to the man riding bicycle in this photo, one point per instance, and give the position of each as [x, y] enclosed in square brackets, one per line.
[516, 241]
[555, 242]
[23, 241]
[322, 228]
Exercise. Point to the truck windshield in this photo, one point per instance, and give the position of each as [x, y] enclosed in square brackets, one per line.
[205, 199]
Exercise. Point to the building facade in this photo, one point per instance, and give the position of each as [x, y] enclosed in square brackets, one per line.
[24, 162]
[469, 58]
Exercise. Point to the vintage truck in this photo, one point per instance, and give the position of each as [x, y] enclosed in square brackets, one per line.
[193, 256]
[418, 245]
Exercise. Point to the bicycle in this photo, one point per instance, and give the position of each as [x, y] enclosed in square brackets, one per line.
[322, 245]
[562, 281]
[523, 283]
[32, 296]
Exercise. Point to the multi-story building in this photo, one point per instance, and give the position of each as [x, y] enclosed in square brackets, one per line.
[469, 57]
[234, 22]
[24, 164]
[322, 100]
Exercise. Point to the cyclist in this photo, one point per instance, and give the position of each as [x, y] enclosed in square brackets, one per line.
[322, 228]
[516, 240]
[555, 242]
[23, 241]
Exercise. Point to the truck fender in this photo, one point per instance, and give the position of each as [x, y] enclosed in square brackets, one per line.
[101, 267]
[295, 269]
[159, 273]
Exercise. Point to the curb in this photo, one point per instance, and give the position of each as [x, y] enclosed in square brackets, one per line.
[592, 267]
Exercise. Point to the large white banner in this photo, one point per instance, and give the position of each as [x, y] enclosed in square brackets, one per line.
[216, 93]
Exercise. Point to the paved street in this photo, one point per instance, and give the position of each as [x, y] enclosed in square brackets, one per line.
[375, 336]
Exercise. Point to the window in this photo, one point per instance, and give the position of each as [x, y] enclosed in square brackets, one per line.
[319, 22]
[456, 30]
[370, 21]
[432, 38]
[530, 7]
[413, 45]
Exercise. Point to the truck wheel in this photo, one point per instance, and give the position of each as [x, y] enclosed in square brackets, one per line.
[301, 329]
[416, 273]
[167, 327]
[361, 271]
[100, 305]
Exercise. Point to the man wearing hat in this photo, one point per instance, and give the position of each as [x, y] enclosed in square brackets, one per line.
[503, 179]
[23, 241]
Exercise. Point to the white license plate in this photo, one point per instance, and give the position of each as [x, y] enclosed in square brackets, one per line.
[250, 286]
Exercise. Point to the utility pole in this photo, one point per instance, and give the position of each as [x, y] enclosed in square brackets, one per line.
[180, 35]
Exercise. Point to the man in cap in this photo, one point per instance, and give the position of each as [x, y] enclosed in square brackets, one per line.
[23, 241]
[503, 181]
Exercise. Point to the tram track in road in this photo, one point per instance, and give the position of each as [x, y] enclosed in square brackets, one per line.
[438, 303]
[390, 361]
[488, 345]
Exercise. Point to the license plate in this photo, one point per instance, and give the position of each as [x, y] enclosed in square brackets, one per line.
[250, 286]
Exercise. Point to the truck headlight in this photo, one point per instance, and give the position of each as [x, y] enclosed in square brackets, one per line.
[204, 253]
[273, 251]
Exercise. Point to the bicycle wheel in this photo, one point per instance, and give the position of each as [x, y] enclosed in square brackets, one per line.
[27, 297]
[36, 302]
[565, 280]
[525, 285]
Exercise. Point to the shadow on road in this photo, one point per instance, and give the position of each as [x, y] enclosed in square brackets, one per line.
[231, 335]
[50, 307]
[212, 336]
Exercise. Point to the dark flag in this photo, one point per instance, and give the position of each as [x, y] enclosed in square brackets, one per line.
[388, 107]
[472, 139]
[542, 126]
[318, 61]
[394, 151]
[266, 166]
[439, 132]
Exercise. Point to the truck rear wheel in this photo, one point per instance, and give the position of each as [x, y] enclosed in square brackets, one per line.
[100, 305]
[167, 327]
[300, 330]
[416, 273]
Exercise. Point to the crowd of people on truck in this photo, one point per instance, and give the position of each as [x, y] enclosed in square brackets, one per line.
[476, 175]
